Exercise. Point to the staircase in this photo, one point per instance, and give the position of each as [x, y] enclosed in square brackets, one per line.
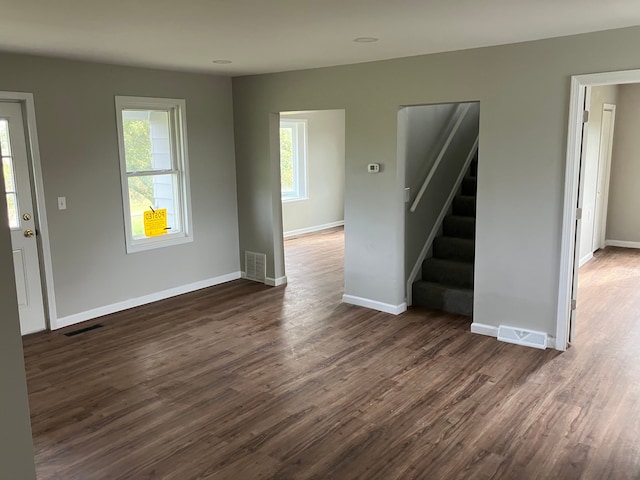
[447, 277]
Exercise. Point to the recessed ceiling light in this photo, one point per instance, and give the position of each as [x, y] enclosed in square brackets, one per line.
[365, 39]
[221, 62]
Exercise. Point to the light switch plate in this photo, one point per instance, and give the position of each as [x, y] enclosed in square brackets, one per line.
[62, 203]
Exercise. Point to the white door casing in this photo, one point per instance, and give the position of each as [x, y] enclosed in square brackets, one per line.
[23, 232]
[567, 270]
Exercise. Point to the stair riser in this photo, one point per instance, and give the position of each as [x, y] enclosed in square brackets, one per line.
[459, 227]
[464, 206]
[433, 296]
[473, 168]
[469, 186]
[458, 275]
[454, 249]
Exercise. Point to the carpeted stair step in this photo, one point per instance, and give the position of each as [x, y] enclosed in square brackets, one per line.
[464, 205]
[448, 272]
[452, 248]
[469, 185]
[457, 226]
[441, 297]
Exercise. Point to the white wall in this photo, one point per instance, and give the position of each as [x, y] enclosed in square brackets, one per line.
[523, 90]
[324, 204]
[599, 96]
[75, 113]
[623, 218]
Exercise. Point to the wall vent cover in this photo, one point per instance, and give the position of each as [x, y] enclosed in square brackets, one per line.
[520, 336]
[255, 266]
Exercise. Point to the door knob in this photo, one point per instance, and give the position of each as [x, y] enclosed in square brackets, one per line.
[29, 233]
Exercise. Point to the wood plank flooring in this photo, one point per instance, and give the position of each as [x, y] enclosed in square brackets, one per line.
[243, 381]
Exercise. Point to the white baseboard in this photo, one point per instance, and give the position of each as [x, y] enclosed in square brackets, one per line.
[316, 228]
[375, 305]
[491, 331]
[621, 243]
[482, 329]
[275, 282]
[586, 258]
[272, 282]
[145, 299]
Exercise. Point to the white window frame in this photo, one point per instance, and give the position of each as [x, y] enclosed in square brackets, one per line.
[299, 146]
[180, 166]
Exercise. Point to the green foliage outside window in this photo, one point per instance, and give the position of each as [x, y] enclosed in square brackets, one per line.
[286, 159]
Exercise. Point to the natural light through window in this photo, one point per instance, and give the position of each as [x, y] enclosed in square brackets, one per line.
[9, 174]
[293, 159]
[153, 162]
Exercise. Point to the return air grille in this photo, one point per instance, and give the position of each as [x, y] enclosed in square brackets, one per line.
[255, 266]
[520, 336]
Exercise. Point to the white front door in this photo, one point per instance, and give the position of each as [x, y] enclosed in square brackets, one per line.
[17, 184]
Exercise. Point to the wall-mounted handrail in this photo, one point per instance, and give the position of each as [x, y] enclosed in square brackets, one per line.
[443, 150]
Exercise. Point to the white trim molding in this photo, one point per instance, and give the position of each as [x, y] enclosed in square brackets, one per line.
[49, 297]
[275, 282]
[482, 329]
[145, 299]
[375, 305]
[621, 243]
[572, 176]
[317, 228]
[586, 258]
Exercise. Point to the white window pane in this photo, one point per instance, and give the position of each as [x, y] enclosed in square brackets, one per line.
[147, 140]
[7, 173]
[153, 192]
[12, 207]
[5, 145]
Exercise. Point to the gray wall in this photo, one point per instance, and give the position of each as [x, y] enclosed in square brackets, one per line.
[75, 113]
[16, 449]
[599, 96]
[623, 221]
[524, 94]
[325, 168]
[422, 139]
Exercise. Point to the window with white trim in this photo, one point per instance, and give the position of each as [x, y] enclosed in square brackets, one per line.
[152, 136]
[293, 159]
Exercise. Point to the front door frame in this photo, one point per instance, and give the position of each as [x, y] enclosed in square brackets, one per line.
[44, 249]
[571, 189]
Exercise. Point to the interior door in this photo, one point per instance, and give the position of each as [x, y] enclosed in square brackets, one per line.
[604, 174]
[576, 256]
[17, 184]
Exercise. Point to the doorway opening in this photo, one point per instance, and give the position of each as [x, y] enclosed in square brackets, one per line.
[600, 185]
[312, 179]
[438, 145]
[26, 213]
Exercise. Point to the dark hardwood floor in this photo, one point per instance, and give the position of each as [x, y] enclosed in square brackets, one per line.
[243, 381]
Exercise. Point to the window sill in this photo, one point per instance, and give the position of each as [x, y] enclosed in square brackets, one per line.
[293, 199]
[151, 244]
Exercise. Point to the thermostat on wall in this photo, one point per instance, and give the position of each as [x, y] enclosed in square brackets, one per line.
[373, 168]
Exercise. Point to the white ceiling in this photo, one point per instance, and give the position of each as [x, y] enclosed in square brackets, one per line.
[262, 36]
